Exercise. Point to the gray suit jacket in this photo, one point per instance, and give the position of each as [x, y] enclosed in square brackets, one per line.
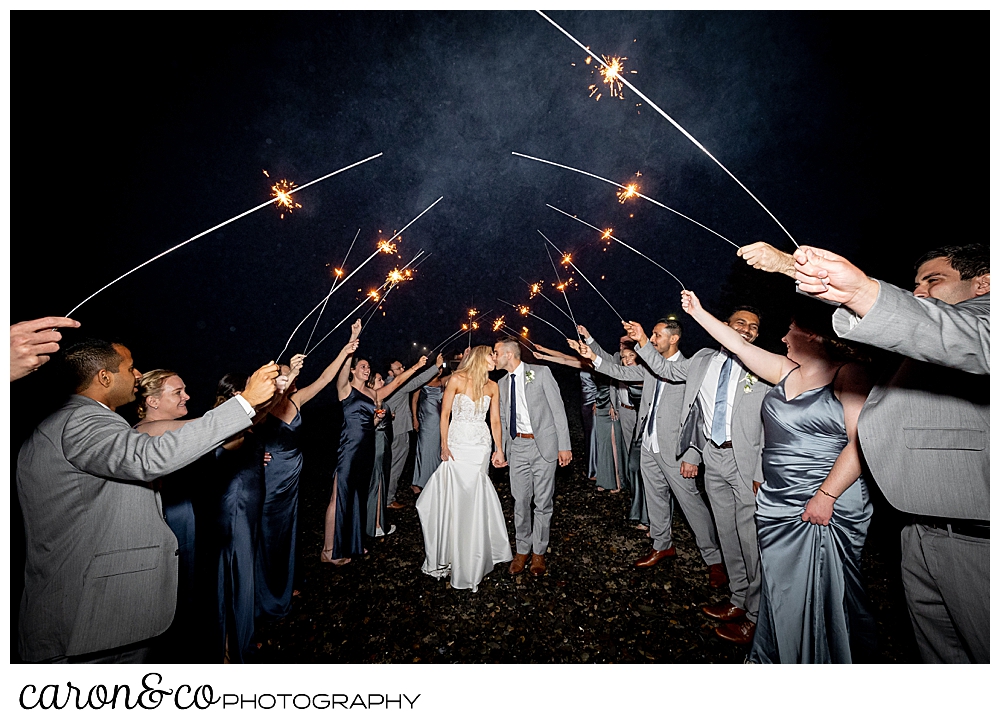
[668, 412]
[925, 428]
[747, 428]
[101, 567]
[398, 403]
[545, 408]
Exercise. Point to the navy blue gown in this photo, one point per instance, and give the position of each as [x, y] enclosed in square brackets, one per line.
[237, 522]
[279, 518]
[353, 475]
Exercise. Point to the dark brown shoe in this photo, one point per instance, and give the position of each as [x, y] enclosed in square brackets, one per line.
[517, 565]
[724, 611]
[737, 632]
[655, 557]
[395, 505]
[717, 577]
[537, 565]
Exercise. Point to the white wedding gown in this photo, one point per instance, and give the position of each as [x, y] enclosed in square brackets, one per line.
[465, 533]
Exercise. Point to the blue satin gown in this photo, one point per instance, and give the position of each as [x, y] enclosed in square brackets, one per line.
[279, 518]
[354, 474]
[429, 434]
[813, 606]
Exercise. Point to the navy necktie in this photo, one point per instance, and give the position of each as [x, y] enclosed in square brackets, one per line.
[513, 407]
[721, 402]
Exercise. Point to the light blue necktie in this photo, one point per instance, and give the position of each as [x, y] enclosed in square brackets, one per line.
[721, 402]
[652, 409]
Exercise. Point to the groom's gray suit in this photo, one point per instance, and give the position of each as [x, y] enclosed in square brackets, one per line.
[101, 566]
[730, 471]
[533, 461]
[925, 433]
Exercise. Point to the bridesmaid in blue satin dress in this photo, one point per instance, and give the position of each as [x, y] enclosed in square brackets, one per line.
[813, 509]
[427, 419]
[347, 511]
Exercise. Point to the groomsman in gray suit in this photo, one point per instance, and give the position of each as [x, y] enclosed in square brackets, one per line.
[925, 430]
[398, 405]
[535, 438]
[101, 567]
[721, 411]
[660, 415]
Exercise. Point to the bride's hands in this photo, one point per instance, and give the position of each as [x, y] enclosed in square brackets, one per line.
[445, 452]
[498, 459]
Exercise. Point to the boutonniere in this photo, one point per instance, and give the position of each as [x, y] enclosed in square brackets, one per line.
[529, 376]
[748, 382]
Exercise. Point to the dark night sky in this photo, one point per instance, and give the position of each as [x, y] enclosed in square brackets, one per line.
[866, 133]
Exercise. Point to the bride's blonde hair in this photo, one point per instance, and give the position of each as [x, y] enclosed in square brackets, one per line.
[475, 372]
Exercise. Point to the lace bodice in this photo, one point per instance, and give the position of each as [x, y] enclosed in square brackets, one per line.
[468, 421]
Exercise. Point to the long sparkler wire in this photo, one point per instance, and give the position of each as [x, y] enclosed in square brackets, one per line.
[340, 286]
[577, 269]
[615, 183]
[219, 226]
[539, 293]
[675, 124]
[609, 236]
[532, 314]
[563, 290]
[520, 339]
[332, 288]
[458, 333]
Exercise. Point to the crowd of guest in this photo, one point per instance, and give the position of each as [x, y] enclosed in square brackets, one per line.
[181, 532]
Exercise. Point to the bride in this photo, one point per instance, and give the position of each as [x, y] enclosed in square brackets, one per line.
[465, 533]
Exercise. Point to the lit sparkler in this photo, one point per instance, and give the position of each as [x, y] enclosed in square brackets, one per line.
[611, 72]
[567, 261]
[524, 311]
[498, 323]
[338, 274]
[218, 226]
[452, 336]
[635, 193]
[538, 292]
[673, 122]
[606, 234]
[282, 192]
[561, 286]
[627, 192]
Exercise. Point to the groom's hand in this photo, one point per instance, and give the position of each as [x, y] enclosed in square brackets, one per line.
[498, 459]
[565, 458]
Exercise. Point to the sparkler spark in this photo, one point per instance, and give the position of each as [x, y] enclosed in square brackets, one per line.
[498, 323]
[387, 247]
[465, 327]
[396, 276]
[373, 294]
[338, 272]
[536, 288]
[281, 193]
[628, 192]
[523, 310]
[606, 234]
[567, 259]
[475, 325]
[524, 331]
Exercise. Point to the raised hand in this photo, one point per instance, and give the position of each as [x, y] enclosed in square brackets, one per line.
[297, 362]
[32, 342]
[690, 302]
[261, 385]
[583, 331]
[635, 332]
[439, 362]
[351, 347]
[761, 255]
[582, 349]
[356, 329]
[420, 362]
[832, 277]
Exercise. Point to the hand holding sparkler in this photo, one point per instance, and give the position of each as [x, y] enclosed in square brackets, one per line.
[582, 349]
[261, 386]
[833, 278]
[356, 330]
[584, 334]
[635, 333]
[761, 255]
[32, 342]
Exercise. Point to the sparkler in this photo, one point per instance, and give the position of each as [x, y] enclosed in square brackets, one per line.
[628, 192]
[537, 291]
[674, 123]
[611, 75]
[567, 259]
[394, 279]
[561, 286]
[218, 226]
[518, 336]
[525, 312]
[282, 192]
[606, 234]
[385, 246]
[634, 193]
[498, 323]
[338, 273]
[463, 328]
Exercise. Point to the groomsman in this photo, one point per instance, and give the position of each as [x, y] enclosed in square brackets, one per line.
[398, 405]
[659, 412]
[721, 412]
[535, 438]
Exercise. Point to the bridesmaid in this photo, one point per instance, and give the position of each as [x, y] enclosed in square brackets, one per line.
[813, 509]
[427, 423]
[275, 577]
[605, 416]
[347, 511]
[377, 510]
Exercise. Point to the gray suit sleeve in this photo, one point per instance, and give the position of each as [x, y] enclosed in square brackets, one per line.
[758, 473]
[619, 372]
[929, 330]
[414, 383]
[105, 446]
[558, 407]
[692, 456]
[676, 371]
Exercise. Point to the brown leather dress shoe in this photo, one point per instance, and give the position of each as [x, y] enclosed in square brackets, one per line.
[724, 611]
[740, 632]
[537, 565]
[517, 565]
[395, 505]
[717, 577]
[655, 557]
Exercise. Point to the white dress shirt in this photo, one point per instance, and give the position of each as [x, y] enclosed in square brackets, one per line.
[523, 420]
[709, 385]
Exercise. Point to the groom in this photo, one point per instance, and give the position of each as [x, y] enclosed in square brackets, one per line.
[535, 437]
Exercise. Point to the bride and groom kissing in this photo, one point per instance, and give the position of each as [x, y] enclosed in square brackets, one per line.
[465, 534]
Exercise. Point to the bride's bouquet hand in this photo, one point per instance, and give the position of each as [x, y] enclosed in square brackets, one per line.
[498, 459]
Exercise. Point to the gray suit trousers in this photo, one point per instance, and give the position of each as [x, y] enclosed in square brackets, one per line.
[399, 450]
[734, 506]
[947, 583]
[531, 478]
[662, 480]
